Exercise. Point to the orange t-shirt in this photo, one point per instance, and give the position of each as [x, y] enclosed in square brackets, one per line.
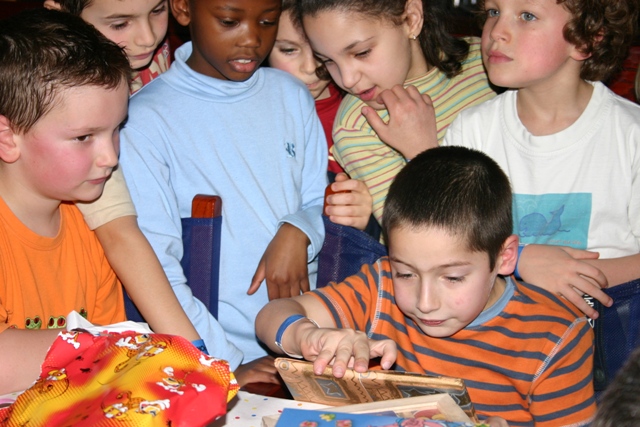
[42, 279]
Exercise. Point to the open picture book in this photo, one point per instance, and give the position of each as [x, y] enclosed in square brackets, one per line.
[371, 386]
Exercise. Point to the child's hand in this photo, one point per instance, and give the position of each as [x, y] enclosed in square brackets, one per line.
[261, 370]
[563, 271]
[411, 128]
[344, 348]
[351, 204]
[284, 264]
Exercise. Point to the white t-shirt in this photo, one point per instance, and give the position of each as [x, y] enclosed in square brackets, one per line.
[579, 187]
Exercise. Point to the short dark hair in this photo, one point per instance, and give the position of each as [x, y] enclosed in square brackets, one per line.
[456, 189]
[620, 403]
[440, 48]
[602, 28]
[42, 52]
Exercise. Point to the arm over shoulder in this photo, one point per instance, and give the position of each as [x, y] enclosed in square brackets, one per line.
[115, 202]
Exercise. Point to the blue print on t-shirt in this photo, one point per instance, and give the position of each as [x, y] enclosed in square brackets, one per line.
[553, 219]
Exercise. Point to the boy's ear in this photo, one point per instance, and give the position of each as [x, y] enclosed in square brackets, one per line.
[9, 151]
[508, 256]
[52, 4]
[579, 52]
[180, 11]
[414, 17]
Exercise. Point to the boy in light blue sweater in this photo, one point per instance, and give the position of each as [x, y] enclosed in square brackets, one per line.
[216, 123]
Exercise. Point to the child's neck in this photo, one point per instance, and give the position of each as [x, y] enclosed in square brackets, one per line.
[37, 213]
[551, 109]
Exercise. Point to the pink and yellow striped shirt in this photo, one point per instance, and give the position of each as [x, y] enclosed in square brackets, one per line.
[364, 156]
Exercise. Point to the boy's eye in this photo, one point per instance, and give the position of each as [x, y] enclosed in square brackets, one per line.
[402, 276]
[454, 279]
[527, 16]
[268, 23]
[83, 138]
[492, 13]
[228, 22]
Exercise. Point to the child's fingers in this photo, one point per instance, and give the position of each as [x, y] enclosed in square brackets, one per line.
[351, 198]
[322, 360]
[375, 121]
[577, 300]
[594, 274]
[351, 352]
[341, 177]
[386, 349]
[257, 278]
[348, 184]
[304, 285]
[580, 253]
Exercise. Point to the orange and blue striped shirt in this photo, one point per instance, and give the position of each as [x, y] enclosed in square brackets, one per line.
[528, 358]
[364, 156]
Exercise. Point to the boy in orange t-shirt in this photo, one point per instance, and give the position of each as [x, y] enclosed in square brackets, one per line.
[63, 98]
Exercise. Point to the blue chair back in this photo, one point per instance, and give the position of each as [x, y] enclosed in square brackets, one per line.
[344, 251]
[201, 259]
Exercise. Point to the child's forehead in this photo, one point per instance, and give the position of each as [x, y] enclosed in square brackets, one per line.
[240, 5]
[70, 101]
[122, 7]
[428, 236]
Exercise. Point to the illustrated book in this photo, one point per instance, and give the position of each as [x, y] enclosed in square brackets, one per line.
[370, 386]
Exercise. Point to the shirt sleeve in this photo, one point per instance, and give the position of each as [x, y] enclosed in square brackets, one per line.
[147, 173]
[115, 202]
[353, 302]
[566, 376]
[314, 181]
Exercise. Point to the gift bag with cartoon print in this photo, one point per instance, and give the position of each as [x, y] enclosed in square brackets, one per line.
[124, 379]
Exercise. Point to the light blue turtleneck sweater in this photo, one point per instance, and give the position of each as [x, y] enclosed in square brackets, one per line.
[260, 146]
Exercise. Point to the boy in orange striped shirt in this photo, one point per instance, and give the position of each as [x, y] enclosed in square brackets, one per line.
[444, 303]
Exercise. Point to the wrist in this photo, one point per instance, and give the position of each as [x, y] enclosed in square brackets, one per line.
[289, 329]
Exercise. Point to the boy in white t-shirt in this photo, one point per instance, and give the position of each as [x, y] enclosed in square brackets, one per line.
[569, 145]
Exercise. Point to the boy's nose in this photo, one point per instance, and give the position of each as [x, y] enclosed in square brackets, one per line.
[250, 37]
[108, 155]
[428, 300]
[500, 29]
